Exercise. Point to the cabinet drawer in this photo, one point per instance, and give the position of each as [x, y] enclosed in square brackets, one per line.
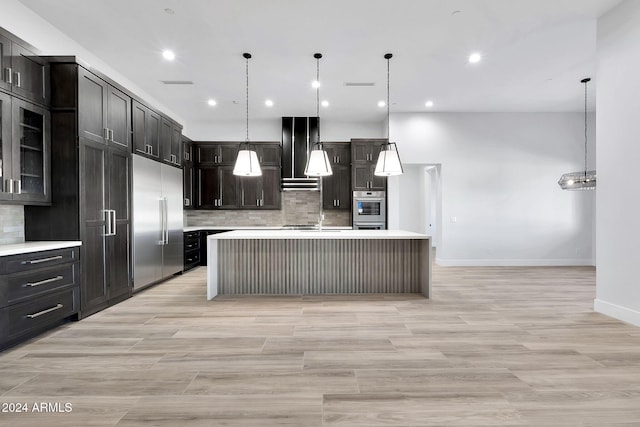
[38, 313]
[192, 257]
[192, 244]
[191, 235]
[33, 260]
[17, 287]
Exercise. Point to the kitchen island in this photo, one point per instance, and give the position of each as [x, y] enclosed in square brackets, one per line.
[300, 262]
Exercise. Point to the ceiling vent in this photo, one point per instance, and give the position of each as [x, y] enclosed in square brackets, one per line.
[177, 82]
[360, 84]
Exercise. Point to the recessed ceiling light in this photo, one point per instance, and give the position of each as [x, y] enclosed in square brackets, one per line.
[268, 103]
[381, 104]
[325, 103]
[212, 102]
[315, 84]
[168, 55]
[169, 11]
[475, 58]
[428, 104]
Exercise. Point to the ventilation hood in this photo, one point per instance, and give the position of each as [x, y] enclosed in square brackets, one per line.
[298, 136]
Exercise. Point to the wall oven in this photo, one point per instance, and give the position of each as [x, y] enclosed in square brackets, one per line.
[369, 210]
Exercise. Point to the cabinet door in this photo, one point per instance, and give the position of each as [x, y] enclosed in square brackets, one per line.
[271, 195]
[93, 194]
[377, 182]
[6, 155]
[165, 141]
[229, 188]
[139, 125]
[92, 104]
[343, 187]
[339, 153]
[269, 154]
[188, 175]
[176, 145]
[207, 154]
[118, 256]
[119, 118]
[361, 176]
[154, 122]
[208, 188]
[31, 151]
[251, 191]
[30, 74]
[5, 63]
[361, 152]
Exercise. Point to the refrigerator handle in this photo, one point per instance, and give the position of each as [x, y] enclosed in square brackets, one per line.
[162, 221]
[107, 222]
[113, 223]
[165, 229]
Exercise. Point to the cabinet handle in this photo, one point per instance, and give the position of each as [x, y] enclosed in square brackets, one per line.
[9, 186]
[18, 189]
[105, 133]
[19, 80]
[41, 260]
[187, 202]
[338, 203]
[9, 75]
[111, 135]
[40, 313]
[113, 223]
[42, 282]
[187, 156]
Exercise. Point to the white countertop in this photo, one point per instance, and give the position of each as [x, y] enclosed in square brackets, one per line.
[258, 227]
[26, 247]
[317, 234]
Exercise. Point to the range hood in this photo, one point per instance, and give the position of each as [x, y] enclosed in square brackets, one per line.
[298, 136]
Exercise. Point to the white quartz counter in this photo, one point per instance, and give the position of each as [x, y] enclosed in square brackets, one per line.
[318, 234]
[27, 247]
[245, 227]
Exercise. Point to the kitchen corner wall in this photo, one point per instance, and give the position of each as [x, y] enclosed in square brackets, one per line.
[298, 207]
[11, 224]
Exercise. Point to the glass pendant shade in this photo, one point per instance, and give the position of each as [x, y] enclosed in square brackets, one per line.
[388, 161]
[583, 180]
[586, 179]
[247, 163]
[318, 163]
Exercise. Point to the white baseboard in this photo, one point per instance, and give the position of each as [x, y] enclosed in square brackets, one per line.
[514, 262]
[617, 312]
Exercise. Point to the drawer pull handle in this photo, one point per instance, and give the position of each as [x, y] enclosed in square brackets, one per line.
[40, 313]
[43, 282]
[38, 261]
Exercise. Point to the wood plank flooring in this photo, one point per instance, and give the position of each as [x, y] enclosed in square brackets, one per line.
[493, 347]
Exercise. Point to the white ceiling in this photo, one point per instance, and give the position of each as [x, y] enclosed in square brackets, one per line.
[535, 52]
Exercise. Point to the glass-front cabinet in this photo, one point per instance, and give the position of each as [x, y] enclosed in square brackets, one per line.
[25, 152]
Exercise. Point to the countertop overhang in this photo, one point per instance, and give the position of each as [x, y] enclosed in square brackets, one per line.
[27, 247]
[318, 234]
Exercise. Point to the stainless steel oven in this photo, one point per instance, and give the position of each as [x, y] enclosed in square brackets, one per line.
[369, 226]
[369, 208]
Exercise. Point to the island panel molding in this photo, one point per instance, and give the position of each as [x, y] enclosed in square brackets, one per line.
[295, 262]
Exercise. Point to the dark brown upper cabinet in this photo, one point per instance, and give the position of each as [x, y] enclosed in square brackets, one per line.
[336, 188]
[25, 152]
[24, 73]
[364, 156]
[146, 131]
[103, 111]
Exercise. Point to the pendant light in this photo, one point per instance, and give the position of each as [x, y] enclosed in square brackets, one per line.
[388, 160]
[318, 160]
[583, 180]
[247, 163]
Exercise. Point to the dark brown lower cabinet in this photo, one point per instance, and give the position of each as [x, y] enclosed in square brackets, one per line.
[38, 290]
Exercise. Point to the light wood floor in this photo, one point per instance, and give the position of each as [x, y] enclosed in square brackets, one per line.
[495, 346]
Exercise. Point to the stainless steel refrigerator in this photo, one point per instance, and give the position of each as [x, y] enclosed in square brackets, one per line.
[157, 221]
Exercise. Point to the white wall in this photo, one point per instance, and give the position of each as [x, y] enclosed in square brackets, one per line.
[618, 151]
[271, 130]
[499, 174]
[32, 28]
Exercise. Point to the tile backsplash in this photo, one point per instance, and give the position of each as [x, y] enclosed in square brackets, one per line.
[298, 207]
[11, 224]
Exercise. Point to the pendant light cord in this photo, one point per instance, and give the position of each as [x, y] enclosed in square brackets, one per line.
[388, 107]
[247, 97]
[585, 126]
[318, 56]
